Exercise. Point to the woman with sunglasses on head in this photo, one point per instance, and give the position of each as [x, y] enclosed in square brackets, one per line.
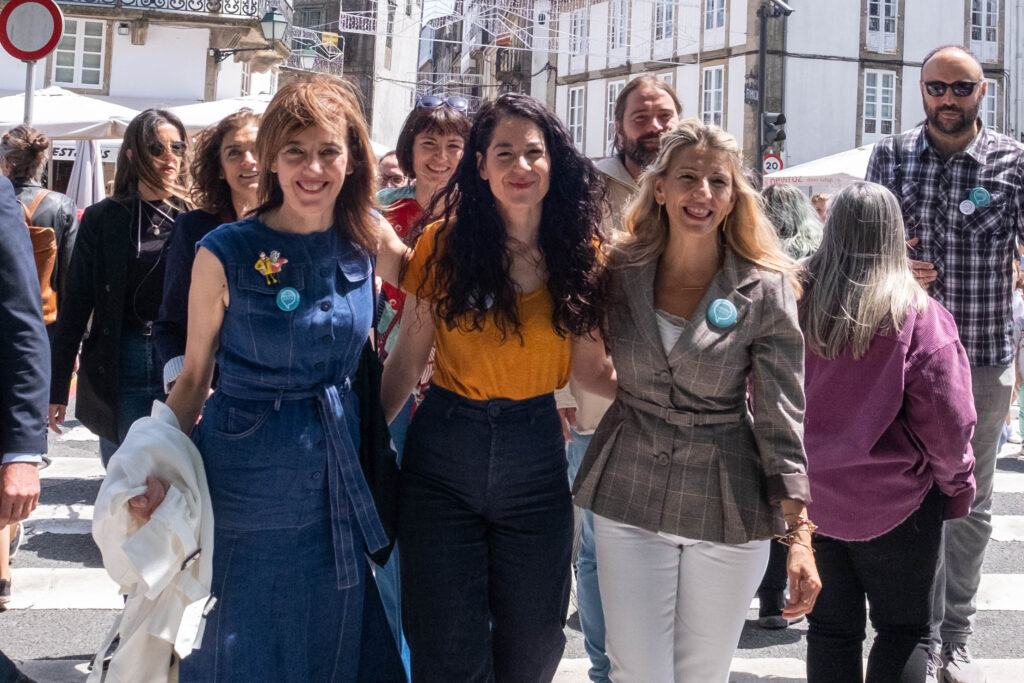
[429, 148]
[282, 301]
[225, 185]
[507, 287]
[116, 278]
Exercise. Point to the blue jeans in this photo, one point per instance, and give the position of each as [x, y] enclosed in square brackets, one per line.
[140, 382]
[485, 528]
[896, 573]
[588, 592]
[389, 580]
[8, 671]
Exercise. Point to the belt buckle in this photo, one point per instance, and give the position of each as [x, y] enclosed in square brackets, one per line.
[147, 329]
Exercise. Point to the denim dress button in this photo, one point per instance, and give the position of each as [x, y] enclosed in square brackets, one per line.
[494, 411]
[325, 306]
[320, 366]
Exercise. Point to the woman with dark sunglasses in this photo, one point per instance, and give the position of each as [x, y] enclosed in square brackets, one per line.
[116, 277]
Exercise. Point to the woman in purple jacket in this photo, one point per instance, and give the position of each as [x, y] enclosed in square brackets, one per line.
[887, 431]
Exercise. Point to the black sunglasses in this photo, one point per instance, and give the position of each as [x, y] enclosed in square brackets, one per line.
[960, 88]
[434, 101]
[158, 149]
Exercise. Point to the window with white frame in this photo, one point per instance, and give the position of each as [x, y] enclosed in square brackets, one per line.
[664, 19]
[246, 89]
[618, 18]
[714, 14]
[881, 33]
[879, 104]
[577, 31]
[985, 29]
[78, 59]
[614, 89]
[575, 117]
[990, 105]
[713, 99]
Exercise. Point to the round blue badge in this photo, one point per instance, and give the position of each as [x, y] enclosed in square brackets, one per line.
[980, 196]
[721, 313]
[288, 299]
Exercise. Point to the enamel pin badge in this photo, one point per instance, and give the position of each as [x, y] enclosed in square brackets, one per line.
[722, 313]
[270, 266]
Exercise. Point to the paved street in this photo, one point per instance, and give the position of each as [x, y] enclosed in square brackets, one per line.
[63, 601]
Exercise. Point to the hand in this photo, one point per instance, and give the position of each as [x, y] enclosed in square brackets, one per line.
[19, 491]
[143, 505]
[56, 416]
[923, 271]
[568, 416]
[804, 582]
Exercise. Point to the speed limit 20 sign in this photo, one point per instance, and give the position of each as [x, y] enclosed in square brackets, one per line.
[30, 29]
[772, 163]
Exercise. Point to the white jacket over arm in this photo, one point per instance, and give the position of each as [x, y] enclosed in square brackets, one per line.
[164, 565]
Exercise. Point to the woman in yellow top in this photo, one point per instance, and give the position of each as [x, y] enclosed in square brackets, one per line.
[508, 290]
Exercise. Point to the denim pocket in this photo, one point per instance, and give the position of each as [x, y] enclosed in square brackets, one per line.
[238, 423]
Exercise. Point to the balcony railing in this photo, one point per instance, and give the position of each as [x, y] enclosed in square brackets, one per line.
[328, 57]
[240, 9]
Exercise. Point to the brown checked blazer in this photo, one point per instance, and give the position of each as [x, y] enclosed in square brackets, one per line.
[679, 451]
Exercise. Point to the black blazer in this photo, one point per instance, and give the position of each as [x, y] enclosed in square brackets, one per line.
[24, 357]
[96, 287]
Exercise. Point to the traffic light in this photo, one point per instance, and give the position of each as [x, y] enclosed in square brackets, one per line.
[771, 128]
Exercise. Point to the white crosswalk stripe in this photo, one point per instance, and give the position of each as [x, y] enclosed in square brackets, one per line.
[74, 586]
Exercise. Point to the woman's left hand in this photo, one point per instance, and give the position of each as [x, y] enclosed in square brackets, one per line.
[804, 582]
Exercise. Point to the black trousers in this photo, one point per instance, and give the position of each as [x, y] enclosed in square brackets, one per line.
[485, 531]
[896, 573]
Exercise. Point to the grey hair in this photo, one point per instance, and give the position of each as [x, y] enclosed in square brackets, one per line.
[794, 218]
[859, 280]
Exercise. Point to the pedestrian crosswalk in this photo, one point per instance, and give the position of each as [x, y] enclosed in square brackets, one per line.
[63, 601]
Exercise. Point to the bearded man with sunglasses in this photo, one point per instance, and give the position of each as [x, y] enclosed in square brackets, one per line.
[961, 188]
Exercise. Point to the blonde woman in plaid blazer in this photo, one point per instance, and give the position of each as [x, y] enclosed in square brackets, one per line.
[687, 484]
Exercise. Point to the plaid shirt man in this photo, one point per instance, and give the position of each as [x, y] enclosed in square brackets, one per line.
[972, 246]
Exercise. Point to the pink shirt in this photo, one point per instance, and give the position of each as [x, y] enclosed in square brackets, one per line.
[881, 430]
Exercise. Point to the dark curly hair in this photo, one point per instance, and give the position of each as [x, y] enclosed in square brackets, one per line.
[210, 191]
[470, 264]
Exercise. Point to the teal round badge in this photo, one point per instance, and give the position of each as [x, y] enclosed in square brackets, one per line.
[721, 313]
[980, 196]
[288, 299]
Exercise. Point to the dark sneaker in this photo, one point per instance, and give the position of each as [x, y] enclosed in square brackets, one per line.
[5, 593]
[957, 666]
[16, 537]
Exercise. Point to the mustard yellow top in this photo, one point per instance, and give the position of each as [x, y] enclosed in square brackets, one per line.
[480, 364]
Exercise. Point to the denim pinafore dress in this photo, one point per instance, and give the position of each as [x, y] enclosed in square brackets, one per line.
[279, 440]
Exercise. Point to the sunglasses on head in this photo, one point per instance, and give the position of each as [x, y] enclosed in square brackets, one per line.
[960, 88]
[434, 101]
[158, 149]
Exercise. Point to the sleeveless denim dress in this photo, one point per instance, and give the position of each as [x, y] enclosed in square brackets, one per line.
[279, 440]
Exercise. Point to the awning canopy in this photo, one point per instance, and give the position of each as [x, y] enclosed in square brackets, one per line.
[205, 114]
[837, 170]
[60, 113]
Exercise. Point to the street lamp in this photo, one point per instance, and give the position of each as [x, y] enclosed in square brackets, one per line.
[272, 25]
[307, 59]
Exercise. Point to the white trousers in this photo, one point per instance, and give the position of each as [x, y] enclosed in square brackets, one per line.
[674, 607]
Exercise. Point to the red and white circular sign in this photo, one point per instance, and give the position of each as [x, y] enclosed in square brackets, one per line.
[30, 29]
[772, 163]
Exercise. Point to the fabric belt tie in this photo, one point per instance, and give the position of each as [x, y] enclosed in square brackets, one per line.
[679, 418]
[344, 473]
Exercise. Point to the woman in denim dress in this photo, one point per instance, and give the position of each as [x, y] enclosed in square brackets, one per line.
[283, 302]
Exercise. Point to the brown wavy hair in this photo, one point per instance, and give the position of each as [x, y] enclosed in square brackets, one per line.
[210, 190]
[330, 103]
[23, 150]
